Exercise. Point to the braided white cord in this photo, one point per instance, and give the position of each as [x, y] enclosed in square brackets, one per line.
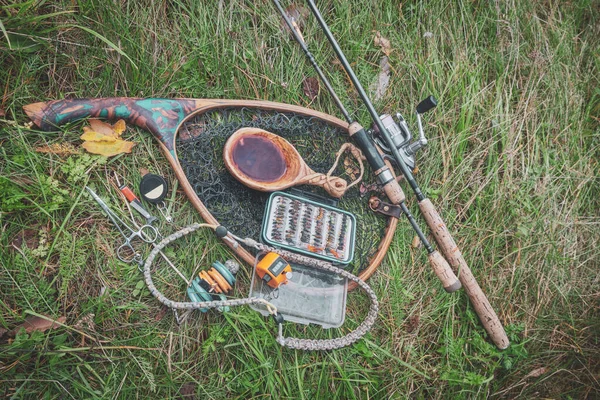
[294, 343]
[192, 305]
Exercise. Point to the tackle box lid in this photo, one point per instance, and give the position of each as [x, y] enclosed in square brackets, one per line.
[310, 296]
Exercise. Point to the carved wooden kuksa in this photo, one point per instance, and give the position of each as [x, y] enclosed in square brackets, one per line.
[267, 162]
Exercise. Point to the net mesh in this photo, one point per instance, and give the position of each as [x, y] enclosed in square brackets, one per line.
[200, 143]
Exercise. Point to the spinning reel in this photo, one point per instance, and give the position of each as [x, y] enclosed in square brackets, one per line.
[211, 284]
[401, 135]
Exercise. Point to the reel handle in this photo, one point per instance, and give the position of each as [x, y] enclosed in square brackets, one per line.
[446, 243]
[426, 105]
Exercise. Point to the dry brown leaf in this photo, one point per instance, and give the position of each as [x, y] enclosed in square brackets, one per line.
[108, 149]
[311, 87]
[188, 390]
[29, 238]
[413, 323]
[90, 135]
[296, 14]
[536, 373]
[380, 86]
[382, 42]
[60, 149]
[416, 242]
[161, 313]
[103, 128]
[35, 323]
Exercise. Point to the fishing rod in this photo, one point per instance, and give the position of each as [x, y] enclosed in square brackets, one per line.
[402, 151]
[384, 175]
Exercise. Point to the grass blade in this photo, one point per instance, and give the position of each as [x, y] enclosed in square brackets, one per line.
[5, 34]
[105, 40]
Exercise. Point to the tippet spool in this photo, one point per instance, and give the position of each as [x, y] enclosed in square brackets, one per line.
[213, 283]
[154, 189]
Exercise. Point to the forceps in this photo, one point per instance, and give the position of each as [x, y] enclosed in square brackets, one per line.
[126, 252]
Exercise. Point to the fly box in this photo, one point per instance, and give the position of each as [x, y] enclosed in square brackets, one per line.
[309, 227]
[301, 225]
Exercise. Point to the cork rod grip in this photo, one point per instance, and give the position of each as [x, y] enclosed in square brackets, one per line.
[444, 272]
[482, 306]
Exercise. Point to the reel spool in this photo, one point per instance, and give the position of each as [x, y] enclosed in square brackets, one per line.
[400, 133]
[213, 283]
[153, 188]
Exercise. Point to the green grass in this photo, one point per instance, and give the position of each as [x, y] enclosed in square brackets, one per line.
[512, 163]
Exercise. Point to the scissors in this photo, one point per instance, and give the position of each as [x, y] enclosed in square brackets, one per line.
[126, 252]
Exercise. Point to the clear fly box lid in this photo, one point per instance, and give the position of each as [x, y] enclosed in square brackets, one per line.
[309, 227]
[310, 296]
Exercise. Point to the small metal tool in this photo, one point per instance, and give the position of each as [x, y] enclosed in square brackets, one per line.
[126, 252]
[137, 204]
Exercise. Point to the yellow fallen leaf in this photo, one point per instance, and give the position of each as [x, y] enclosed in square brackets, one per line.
[93, 136]
[109, 149]
[102, 128]
[104, 139]
[119, 127]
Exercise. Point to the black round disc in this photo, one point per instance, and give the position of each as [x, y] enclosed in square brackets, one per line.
[153, 188]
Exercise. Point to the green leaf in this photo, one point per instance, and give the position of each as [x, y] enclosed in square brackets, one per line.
[59, 339]
[23, 43]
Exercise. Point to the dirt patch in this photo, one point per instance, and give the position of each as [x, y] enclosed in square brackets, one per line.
[29, 238]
